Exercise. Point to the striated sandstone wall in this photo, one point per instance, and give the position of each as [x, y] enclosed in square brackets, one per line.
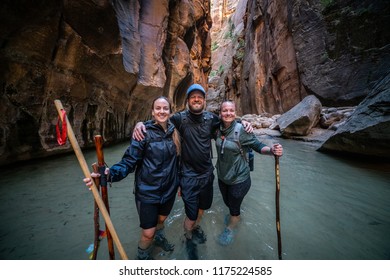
[67, 50]
[105, 60]
[274, 53]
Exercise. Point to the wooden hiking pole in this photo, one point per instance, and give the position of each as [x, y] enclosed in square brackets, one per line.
[87, 173]
[101, 167]
[277, 177]
[96, 216]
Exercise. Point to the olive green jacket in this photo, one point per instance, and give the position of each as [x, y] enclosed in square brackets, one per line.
[232, 163]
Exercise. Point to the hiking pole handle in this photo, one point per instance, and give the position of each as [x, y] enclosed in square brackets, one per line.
[99, 149]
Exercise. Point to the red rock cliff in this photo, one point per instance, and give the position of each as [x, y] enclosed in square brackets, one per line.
[105, 60]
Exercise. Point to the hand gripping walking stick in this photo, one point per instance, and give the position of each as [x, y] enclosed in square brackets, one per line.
[102, 182]
[87, 173]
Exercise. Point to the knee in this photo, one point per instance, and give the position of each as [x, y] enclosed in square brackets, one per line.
[148, 234]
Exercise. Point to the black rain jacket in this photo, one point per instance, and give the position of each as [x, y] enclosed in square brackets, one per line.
[155, 163]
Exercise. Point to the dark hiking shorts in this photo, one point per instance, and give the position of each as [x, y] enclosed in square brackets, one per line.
[233, 195]
[197, 193]
[148, 212]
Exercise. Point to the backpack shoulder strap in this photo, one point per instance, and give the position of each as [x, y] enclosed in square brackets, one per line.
[237, 130]
[183, 119]
[183, 115]
[208, 115]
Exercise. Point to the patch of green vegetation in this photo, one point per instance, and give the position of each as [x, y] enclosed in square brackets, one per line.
[214, 46]
[240, 54]
[324, 57]
[240, 48]
[326, 3]
[220, 70]
[229, 33]
[241, 43]
[213, 73]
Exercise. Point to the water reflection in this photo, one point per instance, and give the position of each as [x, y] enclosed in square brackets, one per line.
[331, 208]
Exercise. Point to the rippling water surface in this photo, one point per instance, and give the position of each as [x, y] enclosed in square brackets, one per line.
[331, 208]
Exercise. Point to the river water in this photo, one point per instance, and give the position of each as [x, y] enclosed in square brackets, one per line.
[331, 209]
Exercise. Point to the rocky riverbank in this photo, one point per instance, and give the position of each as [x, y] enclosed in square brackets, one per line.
[326, 124]
[363, 130]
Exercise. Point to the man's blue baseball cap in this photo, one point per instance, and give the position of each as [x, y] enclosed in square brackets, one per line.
[196, 87]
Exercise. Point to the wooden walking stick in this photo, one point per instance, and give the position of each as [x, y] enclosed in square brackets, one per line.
[96, 217]
[277, 177]
[101, 167]
[87, 173]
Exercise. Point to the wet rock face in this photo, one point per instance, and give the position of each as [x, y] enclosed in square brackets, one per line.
[367, 131]
[54, 49]
[282, 51]
[105, 60]
[341, 48]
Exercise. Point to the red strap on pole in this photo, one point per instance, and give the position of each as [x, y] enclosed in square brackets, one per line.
[61, 136]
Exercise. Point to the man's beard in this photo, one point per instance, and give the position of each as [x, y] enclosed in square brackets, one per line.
[194, 110]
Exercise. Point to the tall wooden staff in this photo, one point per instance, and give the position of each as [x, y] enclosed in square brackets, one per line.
[96, 217]
[87, 173]
[102, 182]
[277, 177]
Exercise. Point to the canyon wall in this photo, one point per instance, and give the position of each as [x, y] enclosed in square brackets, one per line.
[269, 55]
[105, 60]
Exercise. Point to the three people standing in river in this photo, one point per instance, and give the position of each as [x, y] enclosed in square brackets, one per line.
[197, 127]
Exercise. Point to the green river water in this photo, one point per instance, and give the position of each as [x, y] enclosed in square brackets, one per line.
[331, 209]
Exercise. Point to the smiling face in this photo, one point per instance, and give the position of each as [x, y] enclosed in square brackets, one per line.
[228, 113]
[196, 102]
[161, 111]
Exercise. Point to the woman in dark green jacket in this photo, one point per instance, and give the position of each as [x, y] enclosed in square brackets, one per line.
[233, 171]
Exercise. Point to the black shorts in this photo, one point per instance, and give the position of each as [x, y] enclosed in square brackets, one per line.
[233, 195]
[148, 212]
[197, 194]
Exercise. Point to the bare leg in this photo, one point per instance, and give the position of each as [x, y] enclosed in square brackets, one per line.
[146, 238]
[233, 222]
[159, 238]
[161, 220]
[191, 246]
[200, 216]
[145, 244]
[188, 227]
